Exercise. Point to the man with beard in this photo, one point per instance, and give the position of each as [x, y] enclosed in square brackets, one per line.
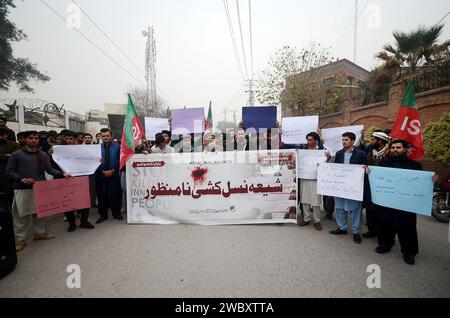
[392, 221]
[11, 134]
[7, 147]
[377, 151]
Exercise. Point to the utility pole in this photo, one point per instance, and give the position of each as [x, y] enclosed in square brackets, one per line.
[251, 93]
[150, 71]
[355, 39]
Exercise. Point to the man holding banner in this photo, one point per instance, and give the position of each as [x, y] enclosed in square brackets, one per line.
[308, 187]
[71, 140]
[392, 221]
[25, 167]
[344, 207]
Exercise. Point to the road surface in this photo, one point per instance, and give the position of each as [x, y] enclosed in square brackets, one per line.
[120, 260]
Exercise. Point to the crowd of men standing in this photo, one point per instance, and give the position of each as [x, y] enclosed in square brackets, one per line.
[29, 158]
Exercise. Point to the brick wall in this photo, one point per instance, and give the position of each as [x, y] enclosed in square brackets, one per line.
[431, 104]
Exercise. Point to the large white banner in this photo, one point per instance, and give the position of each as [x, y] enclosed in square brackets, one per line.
[332, 137]
[341, 180]
[295, 129]
[154, 126]
[308, 161]
[212, 188]
[78, 160]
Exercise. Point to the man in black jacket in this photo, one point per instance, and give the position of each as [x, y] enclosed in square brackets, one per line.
[349, 155]
[392, 221]
[11, 134]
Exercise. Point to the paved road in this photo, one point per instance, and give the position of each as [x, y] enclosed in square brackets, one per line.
[119, 260]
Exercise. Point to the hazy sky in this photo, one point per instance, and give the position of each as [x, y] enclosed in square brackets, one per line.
[195, 56]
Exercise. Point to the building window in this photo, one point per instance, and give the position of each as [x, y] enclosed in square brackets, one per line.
[349, 80]
[329, 81]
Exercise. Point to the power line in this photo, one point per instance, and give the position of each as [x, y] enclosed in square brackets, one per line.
[110, 40]
[242, 38]
[233, 37]
[91, 42]
[349, 28]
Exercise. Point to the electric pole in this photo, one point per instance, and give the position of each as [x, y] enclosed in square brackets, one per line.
[251, 93]
[150, 71]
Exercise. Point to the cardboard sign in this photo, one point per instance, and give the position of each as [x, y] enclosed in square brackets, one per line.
[259, 117]
[61, 195]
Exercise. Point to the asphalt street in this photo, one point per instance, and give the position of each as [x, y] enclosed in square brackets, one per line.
[120, 260]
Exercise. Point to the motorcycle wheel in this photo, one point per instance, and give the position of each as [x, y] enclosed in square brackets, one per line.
[439, 203]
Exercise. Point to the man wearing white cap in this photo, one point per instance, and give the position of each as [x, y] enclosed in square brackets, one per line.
[377, 151]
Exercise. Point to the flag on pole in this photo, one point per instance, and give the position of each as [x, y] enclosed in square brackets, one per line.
[407, 125]
[132, 133]
[209, 120]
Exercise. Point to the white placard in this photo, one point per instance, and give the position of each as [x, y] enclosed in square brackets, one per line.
[295, 129]
[332, 137]
[308, 161]
[78, 160]
[154, 126]
[341, 181]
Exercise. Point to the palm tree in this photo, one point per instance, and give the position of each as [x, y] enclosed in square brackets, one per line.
[411, 50]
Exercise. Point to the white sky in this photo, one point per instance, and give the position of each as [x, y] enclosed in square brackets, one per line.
[195, 56]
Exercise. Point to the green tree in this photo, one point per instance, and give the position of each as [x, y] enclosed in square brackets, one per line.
[412, 50]
[12, 69]
[292, 80]
[437, 140]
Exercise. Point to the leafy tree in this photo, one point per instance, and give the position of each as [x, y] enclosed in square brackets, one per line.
[437, 140]
[293, 81]
[412, 50]
[12, 69]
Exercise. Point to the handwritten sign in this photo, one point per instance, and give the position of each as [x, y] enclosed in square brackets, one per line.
[187, 121]
[61, 195]
[295, 129]
[78, 160]
[332, 137]
[308, 161]
[402, 189]
[154, 126]
[341, 181]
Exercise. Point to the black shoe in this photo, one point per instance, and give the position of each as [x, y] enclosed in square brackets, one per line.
[409, 259]
[100, 220]
[118, 217]
[357, 238]
[338, 232]
[382, 250]
[369, 235]
[71, 228]
[87, 225]
[329, 216]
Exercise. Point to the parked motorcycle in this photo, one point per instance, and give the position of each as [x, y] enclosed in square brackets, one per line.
[441, 206]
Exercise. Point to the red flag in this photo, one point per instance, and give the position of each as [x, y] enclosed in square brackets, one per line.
[209, 121]
[407, 126]
[132, 134]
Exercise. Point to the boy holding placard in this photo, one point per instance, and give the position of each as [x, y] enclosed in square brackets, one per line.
[25, 167]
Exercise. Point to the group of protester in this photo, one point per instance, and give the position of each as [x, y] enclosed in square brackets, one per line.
[26, 161]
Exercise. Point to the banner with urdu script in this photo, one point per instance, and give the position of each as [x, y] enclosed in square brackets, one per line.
[251, 187]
